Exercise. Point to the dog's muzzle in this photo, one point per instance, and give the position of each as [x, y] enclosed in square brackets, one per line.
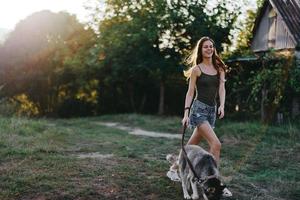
[201, 181]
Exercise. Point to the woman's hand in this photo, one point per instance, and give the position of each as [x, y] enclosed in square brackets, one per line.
[221, 112]
[185, 120]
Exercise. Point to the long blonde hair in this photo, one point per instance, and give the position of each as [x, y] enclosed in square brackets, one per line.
[195, 58]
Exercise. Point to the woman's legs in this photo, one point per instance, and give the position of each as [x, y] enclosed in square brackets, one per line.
[205, 131]
[196, 137]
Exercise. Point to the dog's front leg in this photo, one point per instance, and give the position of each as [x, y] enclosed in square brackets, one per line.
[185, 192]
[195, 194]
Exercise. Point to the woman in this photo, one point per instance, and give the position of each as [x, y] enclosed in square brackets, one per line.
[207, 79]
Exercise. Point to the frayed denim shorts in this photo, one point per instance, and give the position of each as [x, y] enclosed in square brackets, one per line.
[201, 112]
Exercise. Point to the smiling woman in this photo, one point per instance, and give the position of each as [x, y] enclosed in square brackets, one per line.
[14, 10]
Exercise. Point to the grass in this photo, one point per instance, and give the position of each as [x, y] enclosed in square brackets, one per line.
[39, 159]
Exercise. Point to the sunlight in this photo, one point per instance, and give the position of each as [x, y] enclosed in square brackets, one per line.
[11, 12]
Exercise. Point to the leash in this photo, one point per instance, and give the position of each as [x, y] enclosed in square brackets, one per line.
[185, 154]
[196, 177]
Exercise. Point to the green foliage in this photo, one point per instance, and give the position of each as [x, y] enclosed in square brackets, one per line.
[238, 89]
[272, 77]
[7, 108]
[49, 64]
[142, 45]
[245, 35]
[294, 80]
[132, 64]
[263, 86]
[260, 3]
[263, 83]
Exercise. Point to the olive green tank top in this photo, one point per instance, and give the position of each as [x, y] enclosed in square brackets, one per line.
[207, 88]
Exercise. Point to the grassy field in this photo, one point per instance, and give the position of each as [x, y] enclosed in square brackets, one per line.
[82, 159]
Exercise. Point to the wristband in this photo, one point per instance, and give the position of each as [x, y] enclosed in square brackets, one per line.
[186, 108]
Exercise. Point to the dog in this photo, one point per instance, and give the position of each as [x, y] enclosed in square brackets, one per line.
[206, 169]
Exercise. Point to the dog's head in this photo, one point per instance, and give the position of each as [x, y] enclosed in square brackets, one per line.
[213, 189]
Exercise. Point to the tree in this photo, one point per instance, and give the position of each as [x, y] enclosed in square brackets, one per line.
[245, 35]
[145, 41]
[35, 61]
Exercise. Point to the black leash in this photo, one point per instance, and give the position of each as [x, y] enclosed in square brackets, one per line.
[196, 177]
[183, 149]
[185, 154]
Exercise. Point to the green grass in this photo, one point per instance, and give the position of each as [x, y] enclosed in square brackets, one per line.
[39, 159]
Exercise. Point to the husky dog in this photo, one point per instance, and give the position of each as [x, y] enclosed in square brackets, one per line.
[206, 169]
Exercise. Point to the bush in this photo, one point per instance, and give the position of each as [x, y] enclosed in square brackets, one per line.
[75, 108]
[7, 108]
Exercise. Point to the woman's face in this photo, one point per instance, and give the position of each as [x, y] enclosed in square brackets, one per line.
[207, 49]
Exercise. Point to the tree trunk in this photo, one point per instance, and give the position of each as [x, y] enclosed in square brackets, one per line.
[296, 100]
[264, 95]
[161, 97]
[131, 96]
[143, 101]
[295, 107]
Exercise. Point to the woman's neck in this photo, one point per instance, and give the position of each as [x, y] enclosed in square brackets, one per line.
[207, 61]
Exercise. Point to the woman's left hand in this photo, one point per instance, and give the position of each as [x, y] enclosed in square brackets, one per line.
[221, 112]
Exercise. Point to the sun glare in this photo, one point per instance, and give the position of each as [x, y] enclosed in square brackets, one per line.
[12, 11]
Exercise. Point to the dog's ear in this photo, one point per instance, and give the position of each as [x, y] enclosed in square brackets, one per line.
[222, 187]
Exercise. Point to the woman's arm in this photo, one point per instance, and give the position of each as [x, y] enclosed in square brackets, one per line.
[191, 90]
[222, 94]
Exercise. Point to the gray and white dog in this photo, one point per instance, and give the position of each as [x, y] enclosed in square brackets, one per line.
[206, 169]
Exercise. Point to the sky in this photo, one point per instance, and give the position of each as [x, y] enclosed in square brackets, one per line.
[12, 11]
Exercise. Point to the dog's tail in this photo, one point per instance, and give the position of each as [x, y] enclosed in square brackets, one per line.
[172, 158]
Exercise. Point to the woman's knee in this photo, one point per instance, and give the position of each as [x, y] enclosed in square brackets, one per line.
[216, 145]
[196, 137]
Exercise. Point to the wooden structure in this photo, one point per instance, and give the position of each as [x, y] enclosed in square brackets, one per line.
[277, 27]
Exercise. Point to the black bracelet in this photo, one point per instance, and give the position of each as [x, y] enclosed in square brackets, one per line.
[186, 108]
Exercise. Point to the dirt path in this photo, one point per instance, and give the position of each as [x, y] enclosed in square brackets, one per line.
[94, 155]
[130, 130]
[138, 131]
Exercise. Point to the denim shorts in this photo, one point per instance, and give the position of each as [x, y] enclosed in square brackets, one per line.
[201, 112]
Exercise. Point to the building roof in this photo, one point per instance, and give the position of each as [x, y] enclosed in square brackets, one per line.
[290, 12]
